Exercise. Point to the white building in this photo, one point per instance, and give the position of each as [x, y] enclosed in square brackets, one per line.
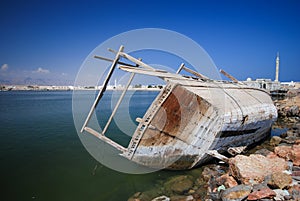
[267, 84]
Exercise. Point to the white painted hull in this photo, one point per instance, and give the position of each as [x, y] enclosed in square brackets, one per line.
[241, 117]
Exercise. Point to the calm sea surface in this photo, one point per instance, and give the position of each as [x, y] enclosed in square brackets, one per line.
[42, 157]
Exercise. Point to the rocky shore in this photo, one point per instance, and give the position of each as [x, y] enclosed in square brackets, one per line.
[270, 171]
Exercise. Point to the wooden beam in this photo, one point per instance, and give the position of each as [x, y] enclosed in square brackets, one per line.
[111, 50]
[180, 68]
[118, 103]
[111, 60]
[136, 61]
[195, 73]
[105, 139]
[100, 94]
[159, 73]
[229, 76]
[131, 58]
[216, 154]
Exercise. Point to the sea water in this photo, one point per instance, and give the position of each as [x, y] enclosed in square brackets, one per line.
[42, 157]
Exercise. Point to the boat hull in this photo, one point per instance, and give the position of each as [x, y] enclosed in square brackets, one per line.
[179, 129]
[190, 118]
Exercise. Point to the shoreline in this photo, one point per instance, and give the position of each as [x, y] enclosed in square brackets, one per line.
[76, 88]
[82, 89]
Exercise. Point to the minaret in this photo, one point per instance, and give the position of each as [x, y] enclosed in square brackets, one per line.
[277, 68]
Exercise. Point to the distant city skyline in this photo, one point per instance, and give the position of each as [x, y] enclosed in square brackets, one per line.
[45, 42]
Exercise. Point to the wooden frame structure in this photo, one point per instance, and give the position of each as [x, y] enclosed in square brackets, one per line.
[129, 68]
[198, 123]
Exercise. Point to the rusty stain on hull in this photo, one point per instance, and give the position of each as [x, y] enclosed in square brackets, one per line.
[180, 109]
[192, 116]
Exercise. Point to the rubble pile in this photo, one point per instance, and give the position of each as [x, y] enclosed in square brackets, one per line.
[289, 107]
[275, 176]
[270, 171]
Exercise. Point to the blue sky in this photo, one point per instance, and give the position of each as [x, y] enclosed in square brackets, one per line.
[47, 41]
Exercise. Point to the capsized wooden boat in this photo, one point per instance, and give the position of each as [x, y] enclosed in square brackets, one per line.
[190, 118]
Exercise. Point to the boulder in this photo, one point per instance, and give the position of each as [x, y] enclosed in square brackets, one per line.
[283, 152]
[280, 180]
[200, 194]
[146, 195]
[182, 198]
[257, 187]
[227, 180]
[296, 175]
[296, 127]
[294, 191]
[272, 155]
[179, 184]
[289, 153]
[236, 193]
[261, 193]
[296, 154]
[284, 134]
[252, 169]
[263, 152]
[209, 172]
[294, 111]
[295, 168]
[275, 140]
[281, 194]
[290, 133]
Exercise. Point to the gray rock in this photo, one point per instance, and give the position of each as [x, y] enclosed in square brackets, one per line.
[283, 135]
[294, 110]
[253, 169]
[261, 194]
[296, 127]
[263, 152]
[290, 133]
[280, 194]
[275, 140]
[294, 191]
[179, 184]
[296, 168]
[182, 198]
[257, 187]
[280, 180]
[236, 193]
[215, 196]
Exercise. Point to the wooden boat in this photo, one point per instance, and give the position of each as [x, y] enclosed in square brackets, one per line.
[191, 118]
